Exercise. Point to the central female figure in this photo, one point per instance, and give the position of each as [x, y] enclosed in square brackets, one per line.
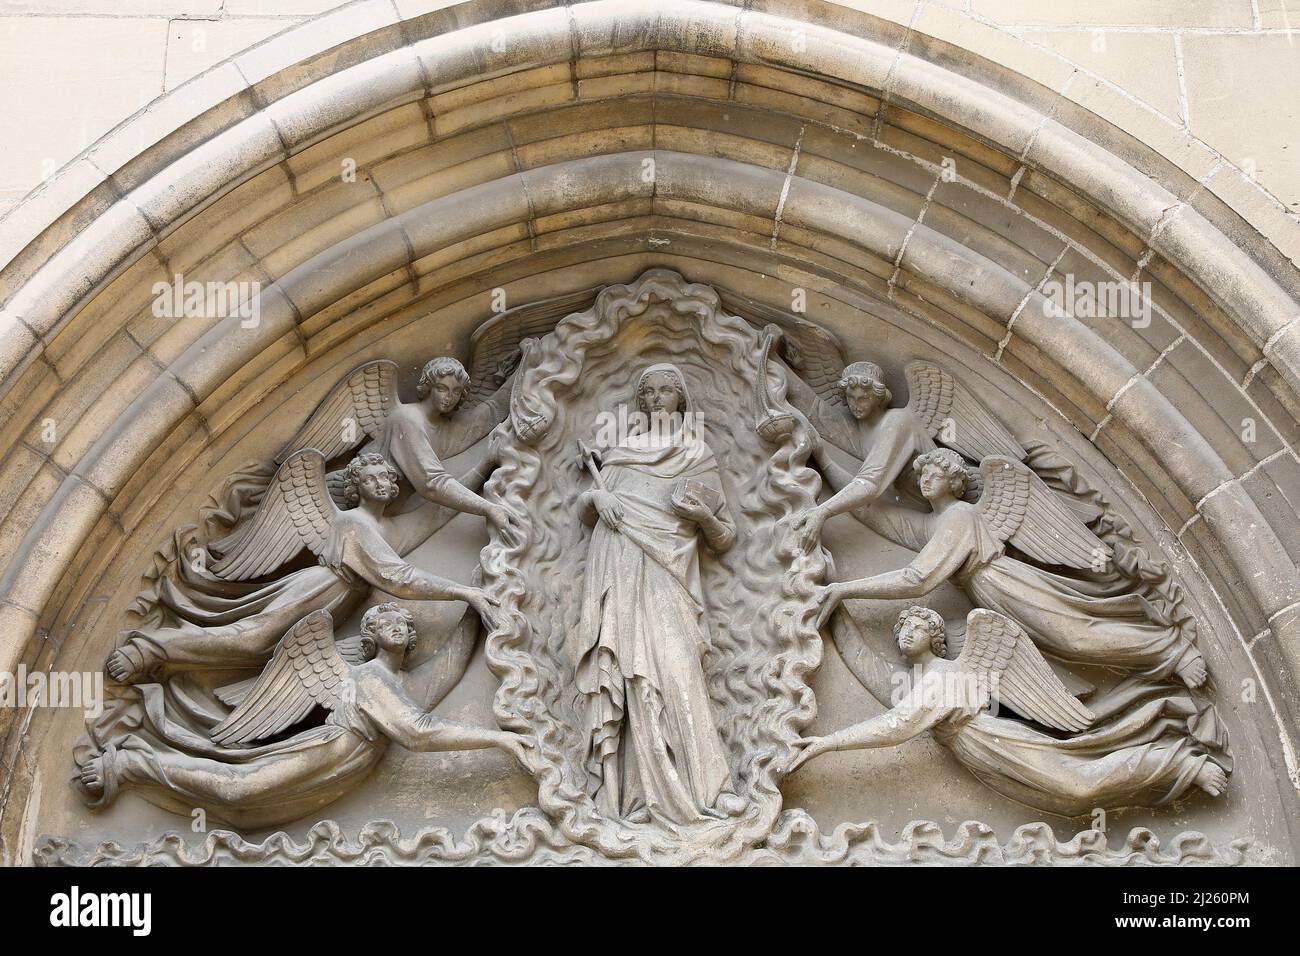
[653, 748]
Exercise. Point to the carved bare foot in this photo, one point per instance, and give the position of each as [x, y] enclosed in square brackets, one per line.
[122, 667]
[1191, 669]
[92, 775]
[1212, 779]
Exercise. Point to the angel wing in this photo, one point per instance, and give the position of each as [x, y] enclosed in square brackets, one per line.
[494, 346]
[305, 670]
[809, 349]
[1007, 666]
[945, 408]
[1020, 509]
[296, 512]
[353, 411]
[349, 648]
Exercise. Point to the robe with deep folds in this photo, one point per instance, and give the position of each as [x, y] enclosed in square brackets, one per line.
[148, 742]
[203, 623]
[642, 636]
[1070, 618]
[1145, 749]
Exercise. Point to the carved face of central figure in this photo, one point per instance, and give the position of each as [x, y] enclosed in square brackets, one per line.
[660, 395]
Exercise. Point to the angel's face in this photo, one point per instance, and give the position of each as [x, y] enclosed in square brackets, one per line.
[933, 482]
[914, 637]
[658, 395]
[390, 633]
[862, 399]
[446, 393]
[375, 483]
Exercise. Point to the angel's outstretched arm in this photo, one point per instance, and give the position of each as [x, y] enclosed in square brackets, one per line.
[375, 561]
[418, 730]
[497, 405]
[940, 558]
[894, 447]
[920, 710]
[412, 528]
[836, 475]
[903, 525]
[416, 459]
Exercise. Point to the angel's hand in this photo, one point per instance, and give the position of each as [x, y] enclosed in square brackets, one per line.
[499, 517]
[608, 507]
[517, 745]
[808, 527]
[808, 748]
[689, 506]
[829, 597]
[485, 605]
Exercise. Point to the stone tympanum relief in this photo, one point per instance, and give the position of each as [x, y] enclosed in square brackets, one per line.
[653, 594]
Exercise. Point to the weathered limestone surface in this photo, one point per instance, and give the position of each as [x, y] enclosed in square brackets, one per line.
[919, 198]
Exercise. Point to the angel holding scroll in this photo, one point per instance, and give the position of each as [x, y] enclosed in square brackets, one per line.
[357, 548]
[967, 543]
[359, 684]
[1138, 746]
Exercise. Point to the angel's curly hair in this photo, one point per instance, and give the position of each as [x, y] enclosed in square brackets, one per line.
[868, 375]
[436, 369]
[930, 619]
[368, 620]
[952, 466]
[352, 475]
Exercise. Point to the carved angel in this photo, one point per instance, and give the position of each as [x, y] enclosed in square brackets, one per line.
[852, 412]
[357, 549]
[415, 436]
[1143, 749]
[455, 410]
[966, 543]
[359, 683]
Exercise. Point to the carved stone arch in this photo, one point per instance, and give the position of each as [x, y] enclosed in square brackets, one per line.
[548, 149]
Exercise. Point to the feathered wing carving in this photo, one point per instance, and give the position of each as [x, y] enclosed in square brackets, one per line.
[296, 512]
[1007, 666]
[363, 399]
[1020, 509]
[935, 397]
[494, 346]
[350, 649]
[811, 351]
[305, 670]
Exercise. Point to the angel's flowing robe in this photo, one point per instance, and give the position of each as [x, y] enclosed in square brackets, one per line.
[223, 625]
[1145, 749]
[1069, 618]
[146, 747]
[641, 641]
